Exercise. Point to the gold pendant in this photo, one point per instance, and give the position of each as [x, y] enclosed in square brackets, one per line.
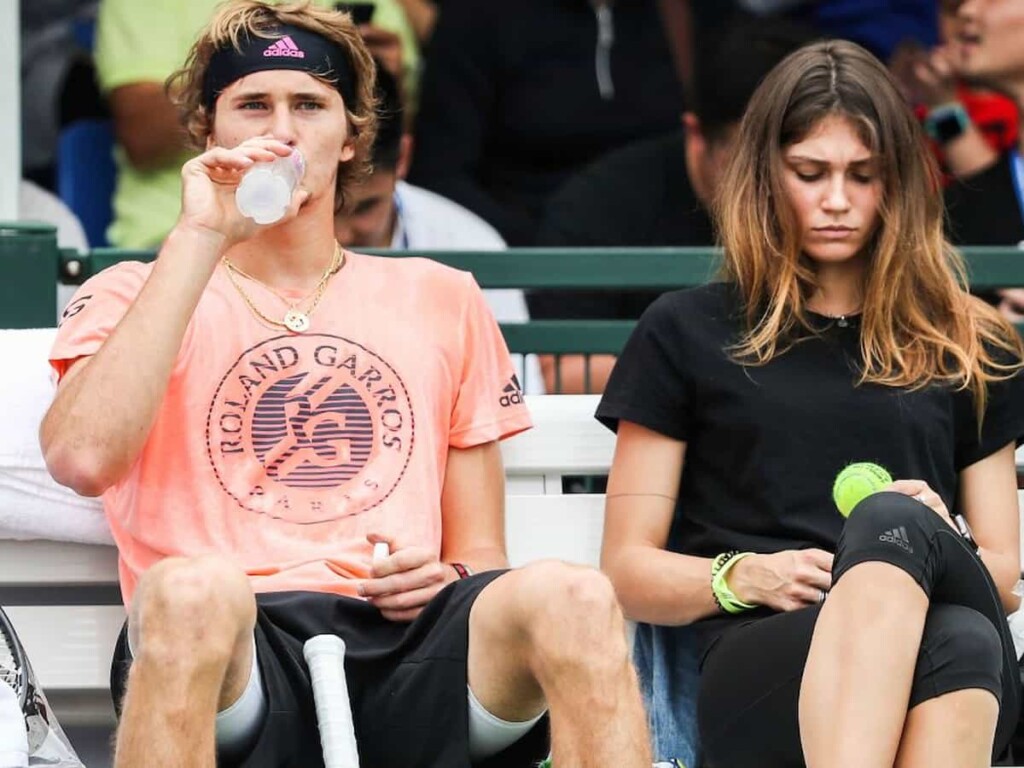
[296, 322]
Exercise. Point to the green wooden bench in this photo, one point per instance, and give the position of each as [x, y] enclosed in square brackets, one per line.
[31, 264]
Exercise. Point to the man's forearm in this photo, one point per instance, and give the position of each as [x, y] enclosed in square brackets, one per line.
[147, 126]
[422, 15]
[100, 420]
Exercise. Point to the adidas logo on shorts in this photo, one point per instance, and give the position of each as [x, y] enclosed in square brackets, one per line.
[897, 536]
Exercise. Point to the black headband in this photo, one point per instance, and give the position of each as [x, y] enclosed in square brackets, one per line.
[290, 48]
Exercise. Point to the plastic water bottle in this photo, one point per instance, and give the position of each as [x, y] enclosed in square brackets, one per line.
[266, 189]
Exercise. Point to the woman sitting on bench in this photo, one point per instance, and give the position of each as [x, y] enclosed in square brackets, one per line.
[840, 333]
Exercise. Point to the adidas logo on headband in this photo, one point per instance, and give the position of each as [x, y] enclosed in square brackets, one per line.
[285, 47]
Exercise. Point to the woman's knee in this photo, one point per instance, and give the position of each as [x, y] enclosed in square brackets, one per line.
[894, 514]
[889, 527]
[960, 648]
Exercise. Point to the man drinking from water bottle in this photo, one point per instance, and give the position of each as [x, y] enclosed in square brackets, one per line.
[260, 407]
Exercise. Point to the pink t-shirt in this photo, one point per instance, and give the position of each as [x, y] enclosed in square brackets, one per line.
[283, 451]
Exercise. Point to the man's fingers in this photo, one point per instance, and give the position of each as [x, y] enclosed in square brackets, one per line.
[238, 159]
[405, 601]
[267, 144]
[378, 538]
[402, 617]
[403, 581]
[408, 559]
[224, 158]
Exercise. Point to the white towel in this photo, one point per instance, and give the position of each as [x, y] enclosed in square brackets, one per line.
[32, 505]
[13, 734]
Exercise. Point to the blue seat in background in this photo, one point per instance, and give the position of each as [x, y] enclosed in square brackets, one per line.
[86, 175]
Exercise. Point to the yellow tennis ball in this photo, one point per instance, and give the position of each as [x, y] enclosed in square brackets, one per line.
[856, 482]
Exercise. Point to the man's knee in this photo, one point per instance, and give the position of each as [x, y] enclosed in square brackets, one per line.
[201, 603]
[572, 609]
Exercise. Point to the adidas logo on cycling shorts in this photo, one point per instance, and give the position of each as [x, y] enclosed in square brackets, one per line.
[897, 536]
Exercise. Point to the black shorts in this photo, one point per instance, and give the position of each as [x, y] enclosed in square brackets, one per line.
[407, 682]
[750, 681]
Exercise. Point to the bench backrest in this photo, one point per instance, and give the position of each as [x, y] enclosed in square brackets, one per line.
[30, 258]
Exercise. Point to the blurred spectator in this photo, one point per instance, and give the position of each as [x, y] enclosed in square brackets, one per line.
[988, 207]
[655, 192]
[422, 15]
[393, 39]
[517, 96]
[881, 26]
[138, 45]
[56, 79]
[968, 126]
[37, 204]
[386, 212]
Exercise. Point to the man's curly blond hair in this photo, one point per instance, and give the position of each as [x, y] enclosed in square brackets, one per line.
[237, 20]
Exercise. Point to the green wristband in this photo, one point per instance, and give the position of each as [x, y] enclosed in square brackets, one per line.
[724, 596]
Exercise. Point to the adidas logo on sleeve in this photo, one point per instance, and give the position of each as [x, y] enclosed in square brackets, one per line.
[897, 536]
[512, 394]
[285, 47]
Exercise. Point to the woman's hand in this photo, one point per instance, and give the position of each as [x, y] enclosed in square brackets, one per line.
[784, 581]
[920, 490]
[402, 583]
[209, 182]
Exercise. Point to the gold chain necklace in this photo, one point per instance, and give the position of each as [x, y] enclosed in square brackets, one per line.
[295, 320]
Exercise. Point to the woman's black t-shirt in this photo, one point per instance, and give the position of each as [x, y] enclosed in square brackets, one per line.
[765, 442]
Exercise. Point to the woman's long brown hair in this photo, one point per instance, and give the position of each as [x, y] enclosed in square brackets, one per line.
[919, 324]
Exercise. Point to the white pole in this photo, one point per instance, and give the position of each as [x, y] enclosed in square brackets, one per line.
[10, 116]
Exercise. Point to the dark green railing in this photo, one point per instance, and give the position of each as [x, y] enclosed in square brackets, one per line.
[31, 264]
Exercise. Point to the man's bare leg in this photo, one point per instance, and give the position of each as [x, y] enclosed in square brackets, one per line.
[192, 622]
[553, 635]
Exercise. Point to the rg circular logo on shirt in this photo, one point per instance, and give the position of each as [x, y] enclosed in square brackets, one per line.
[310, 429]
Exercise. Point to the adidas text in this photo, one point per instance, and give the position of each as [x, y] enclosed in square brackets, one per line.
[897, 536]
[285, 47]
[516, 398]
